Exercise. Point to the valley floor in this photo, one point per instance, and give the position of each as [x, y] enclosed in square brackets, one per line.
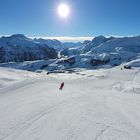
[94, 105]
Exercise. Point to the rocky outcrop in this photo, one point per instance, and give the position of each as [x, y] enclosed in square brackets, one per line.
[95, 62]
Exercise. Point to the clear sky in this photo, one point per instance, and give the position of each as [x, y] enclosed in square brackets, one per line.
[87, 18]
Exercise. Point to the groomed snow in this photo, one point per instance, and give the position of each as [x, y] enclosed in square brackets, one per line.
[9, 76]
[94, 105]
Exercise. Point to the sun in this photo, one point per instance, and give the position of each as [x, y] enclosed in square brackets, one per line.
[63, 10]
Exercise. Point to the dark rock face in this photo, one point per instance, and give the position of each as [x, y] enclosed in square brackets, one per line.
[19, 48]
[98, 62]
[127, 67]
[44, 66]
[1, 55]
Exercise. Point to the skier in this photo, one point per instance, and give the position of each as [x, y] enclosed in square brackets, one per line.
[61, 86]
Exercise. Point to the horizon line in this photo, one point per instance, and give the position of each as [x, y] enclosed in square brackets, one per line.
[68, 38]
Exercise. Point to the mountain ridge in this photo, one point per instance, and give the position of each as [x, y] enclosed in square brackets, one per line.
[100, 52]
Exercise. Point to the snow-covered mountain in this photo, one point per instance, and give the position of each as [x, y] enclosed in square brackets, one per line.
[86, 46]
[20, 48]
[71, 44]
[102, 50]
[52, 43]
[57, 45]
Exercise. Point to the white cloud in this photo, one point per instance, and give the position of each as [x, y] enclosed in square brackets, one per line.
[68, 39]
[63, 39]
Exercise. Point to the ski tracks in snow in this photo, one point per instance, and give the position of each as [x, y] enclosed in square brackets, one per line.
[24, 126]
[87, 109]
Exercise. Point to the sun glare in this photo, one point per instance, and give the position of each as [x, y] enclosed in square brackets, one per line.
[63, 10]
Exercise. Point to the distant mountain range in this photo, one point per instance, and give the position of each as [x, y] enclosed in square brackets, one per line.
[56, 44]
[18, 48]
[104, 51]
[100, 51]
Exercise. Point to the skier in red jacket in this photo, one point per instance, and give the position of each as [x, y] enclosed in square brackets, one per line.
[61, 86]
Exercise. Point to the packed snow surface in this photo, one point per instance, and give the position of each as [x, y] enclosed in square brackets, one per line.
[94, 105]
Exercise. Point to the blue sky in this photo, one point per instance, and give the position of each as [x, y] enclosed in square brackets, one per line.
[87, 18]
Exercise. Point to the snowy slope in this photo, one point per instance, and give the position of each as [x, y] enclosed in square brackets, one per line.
[94, 104]
[10, 76]
[86, 46]
[121, 44]
[134, 63]
[28, 65]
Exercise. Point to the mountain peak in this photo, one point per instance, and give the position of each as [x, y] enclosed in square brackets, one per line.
[101, 37]
[18, 36]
